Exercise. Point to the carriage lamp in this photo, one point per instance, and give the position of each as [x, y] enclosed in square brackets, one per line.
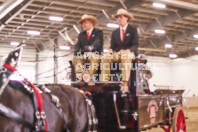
[195, 36]
[14, 43]
[168, 45]
[64, 47]
[112, 25]
[160, 31]
[196, 48]
[159, 5]
[172, 55]
[55, 18]
[33, 32]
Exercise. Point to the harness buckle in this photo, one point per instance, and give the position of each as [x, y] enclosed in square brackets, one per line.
[38, 115]
[57, 104]
[95, 121]
[29, 88]
[43, 115]
[56, 100]
[46, 90]
[89, 101]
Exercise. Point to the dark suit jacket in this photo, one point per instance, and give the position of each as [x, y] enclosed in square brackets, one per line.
[95, 41]
[131, 40]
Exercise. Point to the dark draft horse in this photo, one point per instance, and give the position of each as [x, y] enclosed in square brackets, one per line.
[72, 102]
[74, 115]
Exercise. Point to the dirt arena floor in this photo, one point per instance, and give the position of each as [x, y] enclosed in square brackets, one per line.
[192, 122]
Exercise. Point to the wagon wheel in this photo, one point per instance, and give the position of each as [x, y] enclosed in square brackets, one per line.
[179, 122]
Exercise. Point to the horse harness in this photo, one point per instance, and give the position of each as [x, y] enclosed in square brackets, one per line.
[40, 124]
[92, 118]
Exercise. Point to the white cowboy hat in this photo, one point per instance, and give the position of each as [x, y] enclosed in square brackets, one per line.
[88, 17]
[125, 13]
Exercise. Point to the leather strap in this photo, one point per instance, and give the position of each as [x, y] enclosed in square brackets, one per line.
[15, 116]
[55, 101]
[93, 121]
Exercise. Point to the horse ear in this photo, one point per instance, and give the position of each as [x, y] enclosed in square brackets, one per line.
[14, 56]
[12, 59]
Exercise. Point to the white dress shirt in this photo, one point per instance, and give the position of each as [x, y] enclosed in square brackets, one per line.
[90, 31]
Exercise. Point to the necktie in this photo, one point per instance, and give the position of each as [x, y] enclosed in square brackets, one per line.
[88, 35]
[123, 35]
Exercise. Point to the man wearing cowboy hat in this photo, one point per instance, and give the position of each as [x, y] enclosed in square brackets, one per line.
[124, 44]
[88, 47]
